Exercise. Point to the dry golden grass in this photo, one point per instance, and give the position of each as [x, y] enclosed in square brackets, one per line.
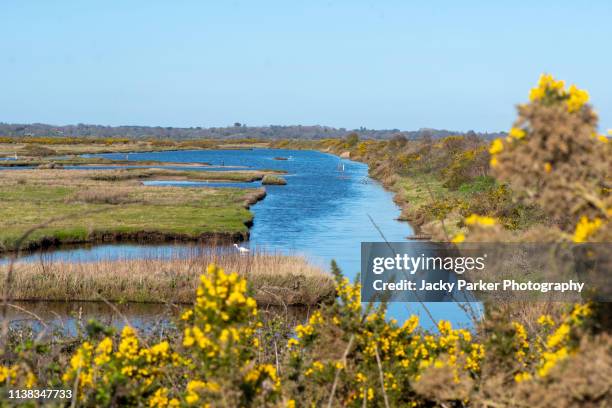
[8, 149]
[275, 279]
[131, 146]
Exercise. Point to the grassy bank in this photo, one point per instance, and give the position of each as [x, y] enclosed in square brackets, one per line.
[437, 183]
[49, 146]
[89, 161]
[113, 205]
[274, 279]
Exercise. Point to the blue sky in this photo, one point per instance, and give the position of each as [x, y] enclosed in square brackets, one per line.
[379, 64]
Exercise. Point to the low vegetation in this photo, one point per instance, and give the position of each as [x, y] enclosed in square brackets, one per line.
[274, 279]
[223, 354]
[547, 181]
[273, 180]
[113, 205]
[164, 174]
[90, 161]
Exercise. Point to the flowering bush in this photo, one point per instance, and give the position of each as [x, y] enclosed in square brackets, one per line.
[556, 158]
[344, 353]
[351, 354]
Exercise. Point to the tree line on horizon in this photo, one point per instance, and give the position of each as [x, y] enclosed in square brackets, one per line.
[237, 131]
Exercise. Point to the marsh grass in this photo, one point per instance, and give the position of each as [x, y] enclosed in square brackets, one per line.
[273, 180]
[138, 174]
[101, 196]
[274, 279]
[134, 212]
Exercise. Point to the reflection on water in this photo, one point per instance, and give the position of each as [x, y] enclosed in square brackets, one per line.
[69, 318]
[328, 207]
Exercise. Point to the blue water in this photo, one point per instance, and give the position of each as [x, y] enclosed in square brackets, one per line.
[328, 207]
[321, 213]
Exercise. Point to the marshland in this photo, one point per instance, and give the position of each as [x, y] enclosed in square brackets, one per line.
[151, 237]
[186, 189]
[117, 215]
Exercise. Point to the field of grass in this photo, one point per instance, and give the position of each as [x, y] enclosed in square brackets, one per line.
[273, 279]
[113, 205]
[36, 147]
[165, 174]
[84, 161]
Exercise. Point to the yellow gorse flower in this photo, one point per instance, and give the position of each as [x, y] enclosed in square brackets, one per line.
[550, 90]
[459, 238]
[577, 98]
[480, 220]
[586, 228]
[546, 320]
[517, 133]
[496, 146]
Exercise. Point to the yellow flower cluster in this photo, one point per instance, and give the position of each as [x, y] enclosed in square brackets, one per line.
[459, 238]
[548, 351]
[223, 294]
[219, 335]
[480, 220]
[404, 351]
[218, 327]
[601, 138]
[521, 343]
[97, 369]
[586, 228]
[16, 375]
[577, 99]
[550, 90]
[195, 388]
[220, 317]
[263, 376]
[546, 320]
[350, 294]
[517, 133]
[546, 84]
[456, 346]
[497, 146]
[160, 399]
[306, 332]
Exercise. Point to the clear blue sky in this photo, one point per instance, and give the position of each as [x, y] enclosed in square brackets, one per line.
[381, 64]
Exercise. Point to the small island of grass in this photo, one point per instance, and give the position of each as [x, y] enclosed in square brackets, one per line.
[270, 179]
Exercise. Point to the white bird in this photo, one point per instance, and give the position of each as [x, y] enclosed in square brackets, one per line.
[240, 249]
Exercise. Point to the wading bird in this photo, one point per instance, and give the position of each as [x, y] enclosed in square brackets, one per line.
[240, 249]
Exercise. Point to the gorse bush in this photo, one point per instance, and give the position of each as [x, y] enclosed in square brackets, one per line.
[554, 161]
[345, 354]
[555, 158]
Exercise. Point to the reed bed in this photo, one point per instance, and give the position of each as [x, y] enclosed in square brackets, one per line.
[273, 278]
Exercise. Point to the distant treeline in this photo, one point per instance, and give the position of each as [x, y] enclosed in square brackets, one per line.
[238, 131]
